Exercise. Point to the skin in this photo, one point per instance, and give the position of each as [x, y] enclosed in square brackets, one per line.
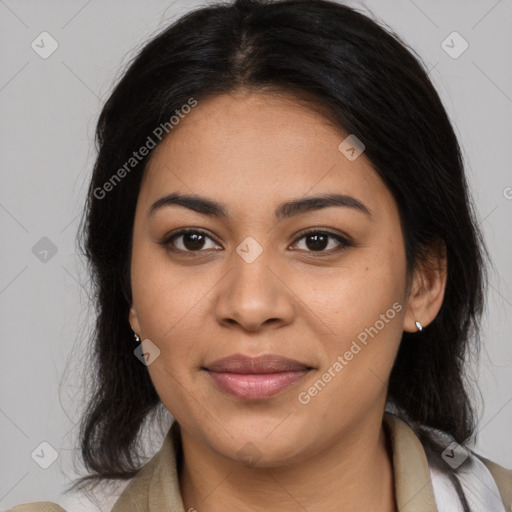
[251, 152]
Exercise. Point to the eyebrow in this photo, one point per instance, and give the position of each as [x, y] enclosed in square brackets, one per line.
[211, 208]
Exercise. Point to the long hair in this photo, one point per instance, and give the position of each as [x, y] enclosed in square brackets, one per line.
[367, 81]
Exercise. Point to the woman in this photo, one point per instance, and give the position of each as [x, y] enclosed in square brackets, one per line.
[279, 218]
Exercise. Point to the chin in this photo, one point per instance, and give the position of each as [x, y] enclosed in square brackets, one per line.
[260, 445]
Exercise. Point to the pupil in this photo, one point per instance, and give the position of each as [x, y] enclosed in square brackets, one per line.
[193, 240]
[320, 241]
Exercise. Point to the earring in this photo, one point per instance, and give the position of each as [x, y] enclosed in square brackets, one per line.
[419, 326]
[137, 339]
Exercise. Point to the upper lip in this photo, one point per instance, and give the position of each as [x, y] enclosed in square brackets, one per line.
[238, 363]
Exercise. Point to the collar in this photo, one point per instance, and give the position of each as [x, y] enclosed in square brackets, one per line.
[413, 482]
[155, 488]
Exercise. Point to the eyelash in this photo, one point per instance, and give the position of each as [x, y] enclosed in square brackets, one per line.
[344, 243]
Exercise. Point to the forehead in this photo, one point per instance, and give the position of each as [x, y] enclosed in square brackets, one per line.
[252, 149]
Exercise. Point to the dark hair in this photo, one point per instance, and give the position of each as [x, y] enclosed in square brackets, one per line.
[368, 82]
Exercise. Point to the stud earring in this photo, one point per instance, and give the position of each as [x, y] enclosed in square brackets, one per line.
[419, 326]
[137, 339]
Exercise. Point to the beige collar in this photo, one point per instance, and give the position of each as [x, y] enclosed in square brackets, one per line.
[413, 486]
[156, 486]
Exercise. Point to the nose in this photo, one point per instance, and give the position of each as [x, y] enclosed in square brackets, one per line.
[255, 294]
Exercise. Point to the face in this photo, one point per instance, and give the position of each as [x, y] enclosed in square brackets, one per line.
[320, 283]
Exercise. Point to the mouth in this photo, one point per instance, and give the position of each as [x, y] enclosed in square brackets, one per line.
[255, 378]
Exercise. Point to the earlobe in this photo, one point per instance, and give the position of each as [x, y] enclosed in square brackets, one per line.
[415, 319]
[133, 319]
[427, 291]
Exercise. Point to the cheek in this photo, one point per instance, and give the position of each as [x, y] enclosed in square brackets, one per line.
[364, 312]
[169, 302]
[360, 313]
[352, 297]
[167, 297]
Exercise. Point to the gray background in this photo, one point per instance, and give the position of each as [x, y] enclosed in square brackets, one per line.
[49, 108]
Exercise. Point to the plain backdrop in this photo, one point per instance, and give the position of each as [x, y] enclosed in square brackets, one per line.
[49, 107]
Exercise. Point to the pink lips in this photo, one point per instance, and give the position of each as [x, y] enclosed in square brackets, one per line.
[254, 378]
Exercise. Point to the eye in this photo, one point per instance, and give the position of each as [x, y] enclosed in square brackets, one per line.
[317, 241]
[192, 240]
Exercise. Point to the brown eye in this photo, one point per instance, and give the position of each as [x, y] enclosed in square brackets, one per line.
[318, 241]
[188, 240]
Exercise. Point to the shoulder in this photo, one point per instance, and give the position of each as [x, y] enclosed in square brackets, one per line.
[40, 506]
[477, 478]
[503, 478]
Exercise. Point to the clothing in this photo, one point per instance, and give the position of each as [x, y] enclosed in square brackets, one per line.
[417, 484]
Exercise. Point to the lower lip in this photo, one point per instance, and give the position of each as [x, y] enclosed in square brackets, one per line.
[256, 386]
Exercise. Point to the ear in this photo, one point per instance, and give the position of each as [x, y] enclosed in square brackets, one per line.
[134, 321]
[427, 288]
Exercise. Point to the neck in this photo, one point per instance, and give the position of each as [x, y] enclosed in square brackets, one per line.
[355, 472]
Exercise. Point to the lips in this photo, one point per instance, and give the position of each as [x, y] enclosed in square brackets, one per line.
[263, 364]
[254, 378]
